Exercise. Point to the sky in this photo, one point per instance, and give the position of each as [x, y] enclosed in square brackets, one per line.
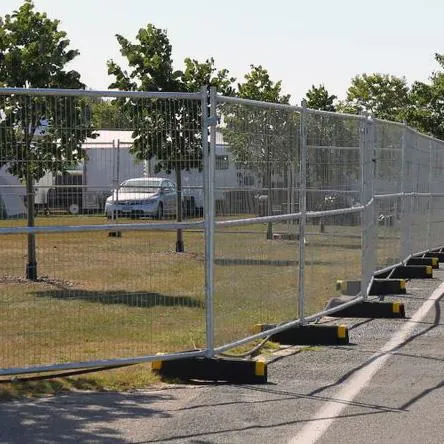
[302, 43]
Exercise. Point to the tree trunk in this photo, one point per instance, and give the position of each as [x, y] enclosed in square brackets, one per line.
[31, 266]
[180, 247]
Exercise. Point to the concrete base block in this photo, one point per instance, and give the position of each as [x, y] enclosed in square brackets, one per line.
[349, 288]
[309, 334]
[237, 371]
[370, 310]
[285, 236]
[439, 256]
[431, 261]
[412, 272]
[379, 287]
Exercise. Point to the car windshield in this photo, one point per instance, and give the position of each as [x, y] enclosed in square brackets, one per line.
[140, 186]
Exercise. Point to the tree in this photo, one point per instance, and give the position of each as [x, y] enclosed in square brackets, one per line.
[168, 131]
[38, 134]
[107, 114]
[382, 95]
[426, 110]
[260, 139]
[319, 98]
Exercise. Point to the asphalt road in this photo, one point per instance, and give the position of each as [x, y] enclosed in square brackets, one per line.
[399, 402]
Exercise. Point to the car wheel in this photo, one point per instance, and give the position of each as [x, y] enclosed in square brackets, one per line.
[159, 214]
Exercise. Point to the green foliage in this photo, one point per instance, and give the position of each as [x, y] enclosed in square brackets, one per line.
[426, 110]
[106, 114]
[259, 86]
[382, 95]
[34, 53]
[260, 138]
[319, 98]
[170, 132]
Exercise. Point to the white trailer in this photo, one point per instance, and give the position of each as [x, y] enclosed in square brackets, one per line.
[108, 162]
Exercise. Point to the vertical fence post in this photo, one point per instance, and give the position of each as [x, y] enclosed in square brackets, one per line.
[302, 209]
[209, 154]
[368, 232]
[115, 182]
[430, 199]
[405, 203]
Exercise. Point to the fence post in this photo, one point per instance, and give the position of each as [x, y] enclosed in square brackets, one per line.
[405, 203]
[430, 199]
[209, 155]
[302, 209]
[368, 219]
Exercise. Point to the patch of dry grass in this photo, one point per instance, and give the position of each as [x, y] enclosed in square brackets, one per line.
[103, 297]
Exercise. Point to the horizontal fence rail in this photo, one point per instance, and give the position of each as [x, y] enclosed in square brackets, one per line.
[137, 223]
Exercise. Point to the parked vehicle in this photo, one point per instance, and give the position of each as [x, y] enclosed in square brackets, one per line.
[143, 196]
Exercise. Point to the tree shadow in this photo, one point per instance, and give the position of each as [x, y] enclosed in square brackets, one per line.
[131, 299]
[65, 418]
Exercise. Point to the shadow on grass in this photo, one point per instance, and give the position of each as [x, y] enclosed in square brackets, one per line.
[130, 299]
[19, 389]
[271, 262]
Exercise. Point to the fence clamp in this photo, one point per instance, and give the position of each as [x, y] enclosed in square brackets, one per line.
[212, 120]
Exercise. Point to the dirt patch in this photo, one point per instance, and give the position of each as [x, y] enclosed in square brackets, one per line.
[9, 279]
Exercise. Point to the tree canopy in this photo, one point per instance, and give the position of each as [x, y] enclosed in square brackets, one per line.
[426, 110]
[382, 95]
[38, 134]
[34, 53]
[168, 131]
[319, 98]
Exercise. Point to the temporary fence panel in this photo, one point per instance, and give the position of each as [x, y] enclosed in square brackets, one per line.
[185, 219]
[436, 226]
[388, 177]
[256, 238]
[333, 183]
[110, 292]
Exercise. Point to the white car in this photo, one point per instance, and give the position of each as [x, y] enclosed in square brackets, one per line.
[143, 196]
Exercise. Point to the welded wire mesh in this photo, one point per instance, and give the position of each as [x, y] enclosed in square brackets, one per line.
[388, 178]
[333, 180]
[105, 294]
[279, 173]
[419, 172]
[256, 264]
[436, 227]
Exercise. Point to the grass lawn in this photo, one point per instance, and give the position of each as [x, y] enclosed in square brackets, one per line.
[101, 297]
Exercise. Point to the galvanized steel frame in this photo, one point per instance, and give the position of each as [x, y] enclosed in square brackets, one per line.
[208, 101]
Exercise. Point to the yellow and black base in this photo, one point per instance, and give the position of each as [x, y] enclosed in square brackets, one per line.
[312, 334]
[412, 272]
[382, 287]
[379, 287]
[438, 255]
[236, 371]
[372, 310]
[431, 261]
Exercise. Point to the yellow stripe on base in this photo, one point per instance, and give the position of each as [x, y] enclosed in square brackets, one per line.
[402, 284]
[257, 328]
[156, 365]
[396, 307]
[429, 269]
[435, 261]
[342, 331]
[340, 285]
[259, 368]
